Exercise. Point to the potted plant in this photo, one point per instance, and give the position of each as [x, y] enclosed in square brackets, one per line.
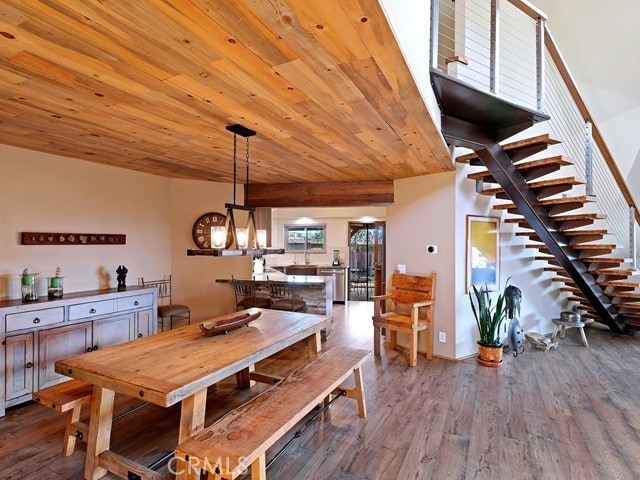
[489, 318]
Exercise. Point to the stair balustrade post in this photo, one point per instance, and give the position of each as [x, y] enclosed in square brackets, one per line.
[494, 63]
[540, 25]
[632, 237]
[588, 155]
[435, 32]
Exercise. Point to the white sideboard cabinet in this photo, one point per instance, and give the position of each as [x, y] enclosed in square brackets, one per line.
[36, 335]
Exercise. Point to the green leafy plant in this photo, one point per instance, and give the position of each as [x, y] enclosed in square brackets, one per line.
[489, 316]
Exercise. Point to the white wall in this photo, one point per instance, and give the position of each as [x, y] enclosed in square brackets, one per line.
[49, 193]
[423, 214]
[410, 23]
[196, 285]
[541, 300]
[336, 220]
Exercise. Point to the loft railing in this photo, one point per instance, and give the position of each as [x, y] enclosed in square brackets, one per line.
[493, 45]
[504, 47]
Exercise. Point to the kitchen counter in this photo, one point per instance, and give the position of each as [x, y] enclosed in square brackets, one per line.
[316, 291]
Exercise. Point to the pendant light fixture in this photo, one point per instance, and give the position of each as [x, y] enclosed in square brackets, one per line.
[238, 241]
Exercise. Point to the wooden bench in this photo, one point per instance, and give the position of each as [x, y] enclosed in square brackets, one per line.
[241, 438]
[69, 397]
[411, 300]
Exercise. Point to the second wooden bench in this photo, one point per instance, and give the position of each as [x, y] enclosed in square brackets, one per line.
[241, 438]
[69, 397]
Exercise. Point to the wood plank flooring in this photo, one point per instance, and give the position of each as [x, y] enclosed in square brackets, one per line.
[571, 413]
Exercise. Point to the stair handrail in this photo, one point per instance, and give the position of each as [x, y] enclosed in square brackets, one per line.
[586, 116]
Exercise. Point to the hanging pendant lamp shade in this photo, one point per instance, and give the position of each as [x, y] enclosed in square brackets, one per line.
[238, 241]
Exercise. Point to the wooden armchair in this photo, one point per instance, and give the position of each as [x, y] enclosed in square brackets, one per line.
[411, 300]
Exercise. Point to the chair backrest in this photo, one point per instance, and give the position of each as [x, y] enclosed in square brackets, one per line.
[281, 289]
[244, 288]
[412, 288]
[163, 286]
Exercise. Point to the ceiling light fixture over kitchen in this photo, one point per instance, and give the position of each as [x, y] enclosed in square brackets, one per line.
[230, 240]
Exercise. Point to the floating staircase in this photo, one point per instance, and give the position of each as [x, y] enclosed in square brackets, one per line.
[546, 209]
[617, 283]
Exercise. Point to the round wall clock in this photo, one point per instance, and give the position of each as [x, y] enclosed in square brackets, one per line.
[201, 230]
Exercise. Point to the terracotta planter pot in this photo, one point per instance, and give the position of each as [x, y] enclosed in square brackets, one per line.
[489, 355]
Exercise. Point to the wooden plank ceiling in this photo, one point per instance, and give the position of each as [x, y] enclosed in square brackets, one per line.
[150, 85]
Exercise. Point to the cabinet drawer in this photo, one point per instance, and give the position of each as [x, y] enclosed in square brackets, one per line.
[93, 309]
[34, 319]
[137, 301]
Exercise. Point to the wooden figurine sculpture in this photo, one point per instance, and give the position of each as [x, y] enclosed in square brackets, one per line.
[515, 336]
[122, 277]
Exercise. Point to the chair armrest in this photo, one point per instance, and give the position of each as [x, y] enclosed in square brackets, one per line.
[381, 297]
[422, 304]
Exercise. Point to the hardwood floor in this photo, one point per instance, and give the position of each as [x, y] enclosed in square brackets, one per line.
[566, 414]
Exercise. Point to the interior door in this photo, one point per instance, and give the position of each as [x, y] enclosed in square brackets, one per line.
[379, 258]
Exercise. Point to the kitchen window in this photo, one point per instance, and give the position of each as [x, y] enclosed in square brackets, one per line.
[309, 239]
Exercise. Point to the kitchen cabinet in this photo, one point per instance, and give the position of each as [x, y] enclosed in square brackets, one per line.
[57, 343]
[36, 335]
[19, 372]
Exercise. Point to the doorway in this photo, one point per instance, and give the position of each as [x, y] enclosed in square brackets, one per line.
[366, 260]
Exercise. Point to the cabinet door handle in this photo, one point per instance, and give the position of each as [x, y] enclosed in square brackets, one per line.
[95, 347]
[136, 303]
[140, 335]
[36, 320]
[89, 349]
[93, 310]
[29, 365]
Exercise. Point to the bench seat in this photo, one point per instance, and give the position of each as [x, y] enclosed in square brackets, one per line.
[69, 397]
[241, 438]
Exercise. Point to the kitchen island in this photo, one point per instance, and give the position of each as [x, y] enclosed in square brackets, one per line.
[316, 291]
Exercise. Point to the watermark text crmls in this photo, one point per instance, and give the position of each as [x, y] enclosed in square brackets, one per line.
[216, 465]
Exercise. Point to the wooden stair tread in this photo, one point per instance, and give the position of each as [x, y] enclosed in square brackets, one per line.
[626, 307]
[545, 139]
[617, 260]
[563, 218]
[582, 199]
[569, 181]
[635, 295]
[552, 268]
[594, 246]
[620, 283]
[619, 272]
[559, 160]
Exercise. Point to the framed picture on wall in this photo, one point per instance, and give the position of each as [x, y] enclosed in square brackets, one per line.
[483, 251]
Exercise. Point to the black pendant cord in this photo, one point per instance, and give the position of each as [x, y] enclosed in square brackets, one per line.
[298, 433]
[234, 168]
[246, 182]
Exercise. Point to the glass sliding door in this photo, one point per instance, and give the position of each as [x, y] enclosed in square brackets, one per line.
[366, 256]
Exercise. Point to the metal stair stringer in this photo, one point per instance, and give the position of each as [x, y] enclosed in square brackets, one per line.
[501, 167]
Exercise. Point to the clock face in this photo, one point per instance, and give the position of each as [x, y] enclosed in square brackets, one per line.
[201, 230]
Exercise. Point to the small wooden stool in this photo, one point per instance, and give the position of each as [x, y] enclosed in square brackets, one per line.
[562, 326]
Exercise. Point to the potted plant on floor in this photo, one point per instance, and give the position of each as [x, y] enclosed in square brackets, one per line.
[489, 318]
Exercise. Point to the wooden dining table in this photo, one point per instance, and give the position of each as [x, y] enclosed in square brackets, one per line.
[178, 366]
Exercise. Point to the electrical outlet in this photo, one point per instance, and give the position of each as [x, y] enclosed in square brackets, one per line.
[402, 268]
[432, 249]
[442, 337]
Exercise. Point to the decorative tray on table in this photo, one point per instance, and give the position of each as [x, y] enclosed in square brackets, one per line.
[225, 326]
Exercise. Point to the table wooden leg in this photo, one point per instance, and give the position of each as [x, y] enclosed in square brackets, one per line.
[99, 431]
[362, 406]
[315, 345]
[243, 377]
[259, 468]
[191, 422]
